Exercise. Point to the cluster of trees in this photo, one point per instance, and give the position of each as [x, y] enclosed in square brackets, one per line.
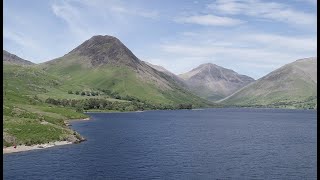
[116, 95]
[84, 93]
[112, 94]
[103, 104]
[185, 106]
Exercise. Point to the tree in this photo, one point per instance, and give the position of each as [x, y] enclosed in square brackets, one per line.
[185, 106]
[79, 108]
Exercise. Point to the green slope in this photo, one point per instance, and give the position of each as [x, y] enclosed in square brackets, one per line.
[103, 62]
[100, 75]
[124, 81]
[291, 86]
[27, 119]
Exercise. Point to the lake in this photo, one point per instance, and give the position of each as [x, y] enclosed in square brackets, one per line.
[239, 143]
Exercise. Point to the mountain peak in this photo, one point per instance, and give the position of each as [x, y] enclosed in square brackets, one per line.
[214, 82]
[208, 65]
[105, 49]
[103, 39]
[211, 67]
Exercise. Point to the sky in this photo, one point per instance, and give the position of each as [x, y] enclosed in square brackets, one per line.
[251, 37]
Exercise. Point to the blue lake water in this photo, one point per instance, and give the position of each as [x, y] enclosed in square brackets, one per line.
[184, 144]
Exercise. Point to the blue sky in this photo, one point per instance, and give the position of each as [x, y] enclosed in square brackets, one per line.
[252, 37]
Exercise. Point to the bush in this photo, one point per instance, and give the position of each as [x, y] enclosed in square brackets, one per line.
[79, 109]
[185, 106]
[83, 93]
[70, 92]
[77, 92]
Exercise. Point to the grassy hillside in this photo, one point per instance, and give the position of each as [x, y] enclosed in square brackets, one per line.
[122, 79]
[27, 119]
[291, 86]
[30, 119]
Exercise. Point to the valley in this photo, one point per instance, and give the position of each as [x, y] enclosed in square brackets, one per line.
[103, 75]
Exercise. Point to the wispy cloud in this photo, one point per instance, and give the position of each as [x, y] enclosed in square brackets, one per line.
[209, 20]
[265, 10]
[20, 39]
[118, 6]
[86, 18]
[135, 12]
[278, 42]
[71, 15]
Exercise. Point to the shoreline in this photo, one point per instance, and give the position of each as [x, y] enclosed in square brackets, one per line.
[11, 149]
[22, 148]
[67, 122]
[88, 112]
[83, 119]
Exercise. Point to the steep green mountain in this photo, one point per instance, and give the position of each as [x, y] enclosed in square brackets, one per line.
[214, 82]
[9, 58]
[291, 86]
[103, 62]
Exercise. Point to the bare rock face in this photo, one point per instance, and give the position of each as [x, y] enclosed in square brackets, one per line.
[13, 59]
[106, 50]
[214, 82]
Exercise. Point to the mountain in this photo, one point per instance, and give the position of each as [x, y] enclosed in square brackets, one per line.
[176, 78]
[213, 82]
[104, 62]
[292, 86]
[13, 59]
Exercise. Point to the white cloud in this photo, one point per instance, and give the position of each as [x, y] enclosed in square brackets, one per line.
[296, 44]
[117, 6]
[71, 16]
[86, 18]
[25, 46]
[20, 39]
[265, 10]
[209, 20]
[134, 12]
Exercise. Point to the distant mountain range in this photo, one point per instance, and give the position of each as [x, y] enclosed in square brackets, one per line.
[104, 62]
[102, 74]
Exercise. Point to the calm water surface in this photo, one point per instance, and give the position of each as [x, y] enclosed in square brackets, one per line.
[185, 144]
